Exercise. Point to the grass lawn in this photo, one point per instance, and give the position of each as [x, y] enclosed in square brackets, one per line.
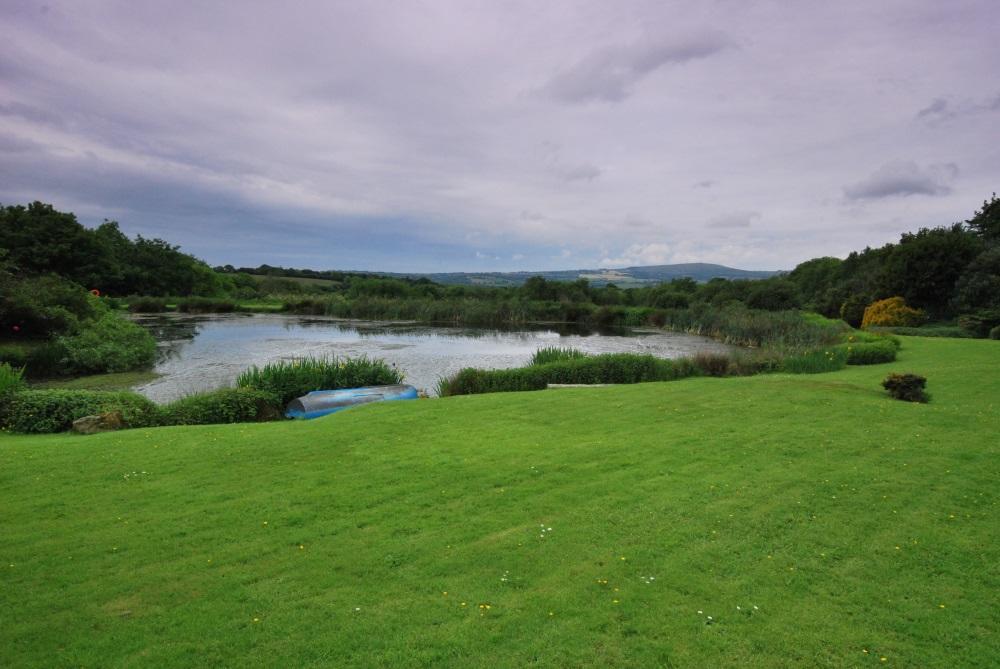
[772, 521]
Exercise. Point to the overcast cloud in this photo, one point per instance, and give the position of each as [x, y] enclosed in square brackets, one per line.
[520, 135]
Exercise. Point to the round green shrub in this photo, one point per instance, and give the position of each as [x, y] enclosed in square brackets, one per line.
[109, 344]
[995, 332]
[870, 353]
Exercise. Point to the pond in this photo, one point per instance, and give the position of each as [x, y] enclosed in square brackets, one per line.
[203, 352]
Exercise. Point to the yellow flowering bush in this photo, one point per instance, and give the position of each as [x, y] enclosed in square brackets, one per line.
[892, 312]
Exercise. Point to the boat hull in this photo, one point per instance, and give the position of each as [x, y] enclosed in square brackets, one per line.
[324, 402]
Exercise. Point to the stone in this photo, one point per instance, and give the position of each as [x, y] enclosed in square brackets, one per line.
[105, 422]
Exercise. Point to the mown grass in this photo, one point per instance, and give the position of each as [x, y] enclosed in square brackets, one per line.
[846, 527]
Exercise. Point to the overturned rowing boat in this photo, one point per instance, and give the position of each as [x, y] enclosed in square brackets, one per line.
[322, 402]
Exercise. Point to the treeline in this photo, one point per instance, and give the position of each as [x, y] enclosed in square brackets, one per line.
[40, 240]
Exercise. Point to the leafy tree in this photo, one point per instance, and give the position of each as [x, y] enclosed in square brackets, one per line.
[925, 266]
[979, 285]
[774, 295]
[986, 222]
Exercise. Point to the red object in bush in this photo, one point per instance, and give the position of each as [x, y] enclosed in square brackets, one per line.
[95, 292]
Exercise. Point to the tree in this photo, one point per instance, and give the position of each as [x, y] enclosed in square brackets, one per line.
[979, 285]
[925, 266]
[774, 295]
[986, 222]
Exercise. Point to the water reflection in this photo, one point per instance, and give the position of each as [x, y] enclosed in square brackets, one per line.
[199, 352]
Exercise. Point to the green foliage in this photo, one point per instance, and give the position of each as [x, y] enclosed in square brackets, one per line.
[852, 311]
[11, 380]
[41, 411]
[226, 405]
[206, 305]
[40, 307]
[980, 323]
[815, 361]
[979, 285]
[774, 295]
[870, 353]
[544, 356]
[995, 332]
[986, 222]
[924, 331]
[751, 327]
[110, 344]
[596, 369]
[288, 379]
[147, 305]
[712, 364]
[906, 387]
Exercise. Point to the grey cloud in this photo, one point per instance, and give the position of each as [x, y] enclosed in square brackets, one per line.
[736, 219]
[938, 110]
[581, 173]
[904, 178]
[609, 74]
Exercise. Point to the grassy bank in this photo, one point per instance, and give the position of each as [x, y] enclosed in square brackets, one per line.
[778, 521]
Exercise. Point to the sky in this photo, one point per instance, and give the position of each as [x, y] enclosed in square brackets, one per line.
[493, 136]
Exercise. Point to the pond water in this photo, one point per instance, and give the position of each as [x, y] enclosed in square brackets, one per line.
[203, 352]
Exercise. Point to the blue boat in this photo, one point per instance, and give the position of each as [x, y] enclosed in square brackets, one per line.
[322, 402]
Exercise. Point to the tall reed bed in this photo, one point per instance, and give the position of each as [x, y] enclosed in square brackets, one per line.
[288, 379]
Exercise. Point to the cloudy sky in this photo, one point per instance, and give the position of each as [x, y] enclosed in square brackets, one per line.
[430, 136]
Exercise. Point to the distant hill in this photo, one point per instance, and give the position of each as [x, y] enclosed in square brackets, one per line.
[624, 277]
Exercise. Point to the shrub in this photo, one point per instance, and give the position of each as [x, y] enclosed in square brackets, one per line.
[906, 387]
[712, 364]
[147, 305]
[892, 311]
[870, 353]
[544, 356]
[925, 331]
[980, 323]
[11, 380]
[995, 332]
[110, 344]
[852, 311]
[226, 405]
[55, 410]
[206, 305]
[815, 361]
[288, 379]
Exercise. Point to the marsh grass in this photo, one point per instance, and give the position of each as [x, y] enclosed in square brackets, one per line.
[288, 379]
[555, 354]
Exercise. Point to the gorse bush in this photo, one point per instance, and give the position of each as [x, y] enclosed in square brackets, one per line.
[555, 354]
[892, 312]
[55, 410]
[110, 344]
[226, 405]
[288, 379]
[906, 387]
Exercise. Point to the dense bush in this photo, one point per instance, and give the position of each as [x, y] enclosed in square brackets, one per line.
[40, 307]
[555, 354]
[892, 311]
[980, 323]
[870, 353]
[55, 410]
[907, 387]
[226, 405]
[109, 344]
[995, 332]
[206, 305]
[290, 379]
[147, 305]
